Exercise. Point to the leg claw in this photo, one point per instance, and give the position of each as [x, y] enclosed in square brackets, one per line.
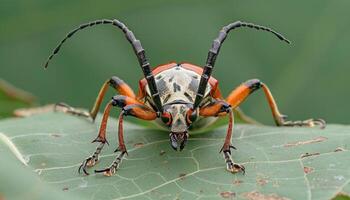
[230, 165]
[114, 167]
[235, 168]
[107, 172]
[88, 162]
[91, 160]
[227, 148]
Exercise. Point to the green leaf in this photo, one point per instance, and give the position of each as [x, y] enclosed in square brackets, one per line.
[281, 163]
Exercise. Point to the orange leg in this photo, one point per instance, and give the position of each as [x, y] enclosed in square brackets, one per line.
[131, 107]
[119, 85]
[137, 110]
[237, 96]
[221, 108]
[217, 108]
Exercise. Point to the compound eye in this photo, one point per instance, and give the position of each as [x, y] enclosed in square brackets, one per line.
[166, 118]
[191, 116]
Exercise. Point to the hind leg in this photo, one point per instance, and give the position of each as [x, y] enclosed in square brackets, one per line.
[238, 95]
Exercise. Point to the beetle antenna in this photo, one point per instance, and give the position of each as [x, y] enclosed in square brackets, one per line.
[136, 44]
[214, 51]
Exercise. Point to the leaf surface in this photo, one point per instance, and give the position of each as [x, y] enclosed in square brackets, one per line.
[281, 163]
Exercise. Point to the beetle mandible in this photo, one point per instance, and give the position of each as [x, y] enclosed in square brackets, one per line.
[177, 96]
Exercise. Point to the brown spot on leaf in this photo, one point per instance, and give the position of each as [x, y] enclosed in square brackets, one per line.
[55, 135]
[138, 145]
[261, 181]
[162, 152]
[308, 170]
[314, 140]
[275, 183]
[339, 149]
[65, 189]
[237, 182]
[227, 195]
[255, 195]
[1, 197]
[34, 140]
[309, 154]
[182, 176]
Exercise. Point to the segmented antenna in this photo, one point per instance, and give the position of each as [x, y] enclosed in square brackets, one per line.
[70, 34]
[139, 51]
[214, 51]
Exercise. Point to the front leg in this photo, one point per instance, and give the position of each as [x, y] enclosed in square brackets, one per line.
[129, 106]
[109, 171]
[137, 110]
[220, 108]
[101, 138]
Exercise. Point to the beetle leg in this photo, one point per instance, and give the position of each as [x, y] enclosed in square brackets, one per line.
[238, 95]
[118, 84]
[226, 148]
[71, 110]
[214, 108]
[109, 171]
[92, 160]
[131, 107]
[230, 165]
[221, 108]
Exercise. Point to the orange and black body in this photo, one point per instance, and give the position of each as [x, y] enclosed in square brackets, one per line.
[179, 96]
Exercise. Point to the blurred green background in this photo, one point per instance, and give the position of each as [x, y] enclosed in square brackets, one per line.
[308, 78]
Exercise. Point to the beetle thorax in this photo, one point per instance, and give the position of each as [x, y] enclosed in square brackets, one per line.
[177, 84]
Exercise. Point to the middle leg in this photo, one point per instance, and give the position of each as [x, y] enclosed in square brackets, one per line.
[118, 84]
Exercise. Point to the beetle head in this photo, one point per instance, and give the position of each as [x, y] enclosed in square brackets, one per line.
[178, 117]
